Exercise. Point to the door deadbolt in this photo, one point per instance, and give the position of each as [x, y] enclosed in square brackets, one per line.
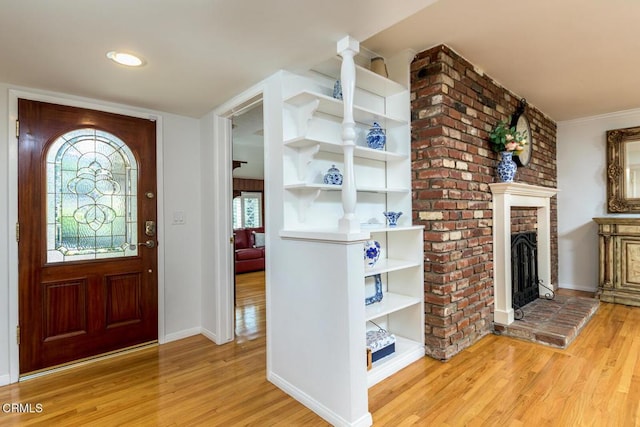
[150, 228]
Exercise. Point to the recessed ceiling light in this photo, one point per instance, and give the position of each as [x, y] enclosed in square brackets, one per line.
[124, 58]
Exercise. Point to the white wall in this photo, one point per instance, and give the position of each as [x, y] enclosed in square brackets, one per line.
[180, 179]
[582, 182]
[183, 260]
[254, 156]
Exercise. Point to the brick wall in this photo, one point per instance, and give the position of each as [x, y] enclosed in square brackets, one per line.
[454, 107]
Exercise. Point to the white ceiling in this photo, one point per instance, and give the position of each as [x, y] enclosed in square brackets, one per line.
[199, 53]
[248, 127]
[248, 143]
[570, 58]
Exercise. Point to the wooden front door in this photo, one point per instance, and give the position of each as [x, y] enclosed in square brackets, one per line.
[87, 236]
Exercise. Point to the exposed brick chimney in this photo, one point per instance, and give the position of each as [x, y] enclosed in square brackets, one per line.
[454, 106]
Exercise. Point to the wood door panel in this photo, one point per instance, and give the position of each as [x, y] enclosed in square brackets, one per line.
[64, 309]
[72, 310]
[630, 264]
[123, 299]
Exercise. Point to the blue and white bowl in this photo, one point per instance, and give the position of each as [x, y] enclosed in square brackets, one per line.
[371, 252]
[392, 217]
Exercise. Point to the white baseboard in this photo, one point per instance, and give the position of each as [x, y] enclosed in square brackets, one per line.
[191, 332]
[324, 412]
[212, 336]
[181, 334]
[577, 287]
[5, 379]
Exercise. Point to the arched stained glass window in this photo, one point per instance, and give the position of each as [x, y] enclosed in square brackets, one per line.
[91, 197]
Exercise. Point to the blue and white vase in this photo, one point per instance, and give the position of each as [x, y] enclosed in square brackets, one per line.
[333, 176]
[371, 252]
[506, 167]
[376, 137]
[337, 90]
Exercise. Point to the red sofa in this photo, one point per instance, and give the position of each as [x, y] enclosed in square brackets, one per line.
[248, 255]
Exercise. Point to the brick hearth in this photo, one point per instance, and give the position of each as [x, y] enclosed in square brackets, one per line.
[555, 323]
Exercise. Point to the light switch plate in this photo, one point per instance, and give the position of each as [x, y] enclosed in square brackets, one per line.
[179, 218]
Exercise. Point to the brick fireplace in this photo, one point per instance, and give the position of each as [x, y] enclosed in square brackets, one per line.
[454, 107]
[506, 196]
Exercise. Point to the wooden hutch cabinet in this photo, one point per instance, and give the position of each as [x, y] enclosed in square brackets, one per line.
[619, 254]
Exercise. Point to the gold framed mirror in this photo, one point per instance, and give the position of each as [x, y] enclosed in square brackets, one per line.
[623, 170]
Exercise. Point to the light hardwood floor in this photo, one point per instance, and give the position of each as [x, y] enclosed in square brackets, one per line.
[498, 381]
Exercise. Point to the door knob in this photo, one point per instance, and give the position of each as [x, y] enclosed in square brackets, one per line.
[148, 243]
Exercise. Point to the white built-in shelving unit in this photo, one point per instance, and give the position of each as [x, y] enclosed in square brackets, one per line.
[329, 260]
[401, 310]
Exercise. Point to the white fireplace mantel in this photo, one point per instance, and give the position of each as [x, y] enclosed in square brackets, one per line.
[505, 196]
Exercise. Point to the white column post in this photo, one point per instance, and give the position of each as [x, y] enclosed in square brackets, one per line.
[347, 49]
[502, 293]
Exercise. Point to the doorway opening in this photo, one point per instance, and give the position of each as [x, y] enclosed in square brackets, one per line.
[249, 221]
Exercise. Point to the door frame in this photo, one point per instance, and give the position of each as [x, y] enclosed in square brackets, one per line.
[14, 94]
[223, 267]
